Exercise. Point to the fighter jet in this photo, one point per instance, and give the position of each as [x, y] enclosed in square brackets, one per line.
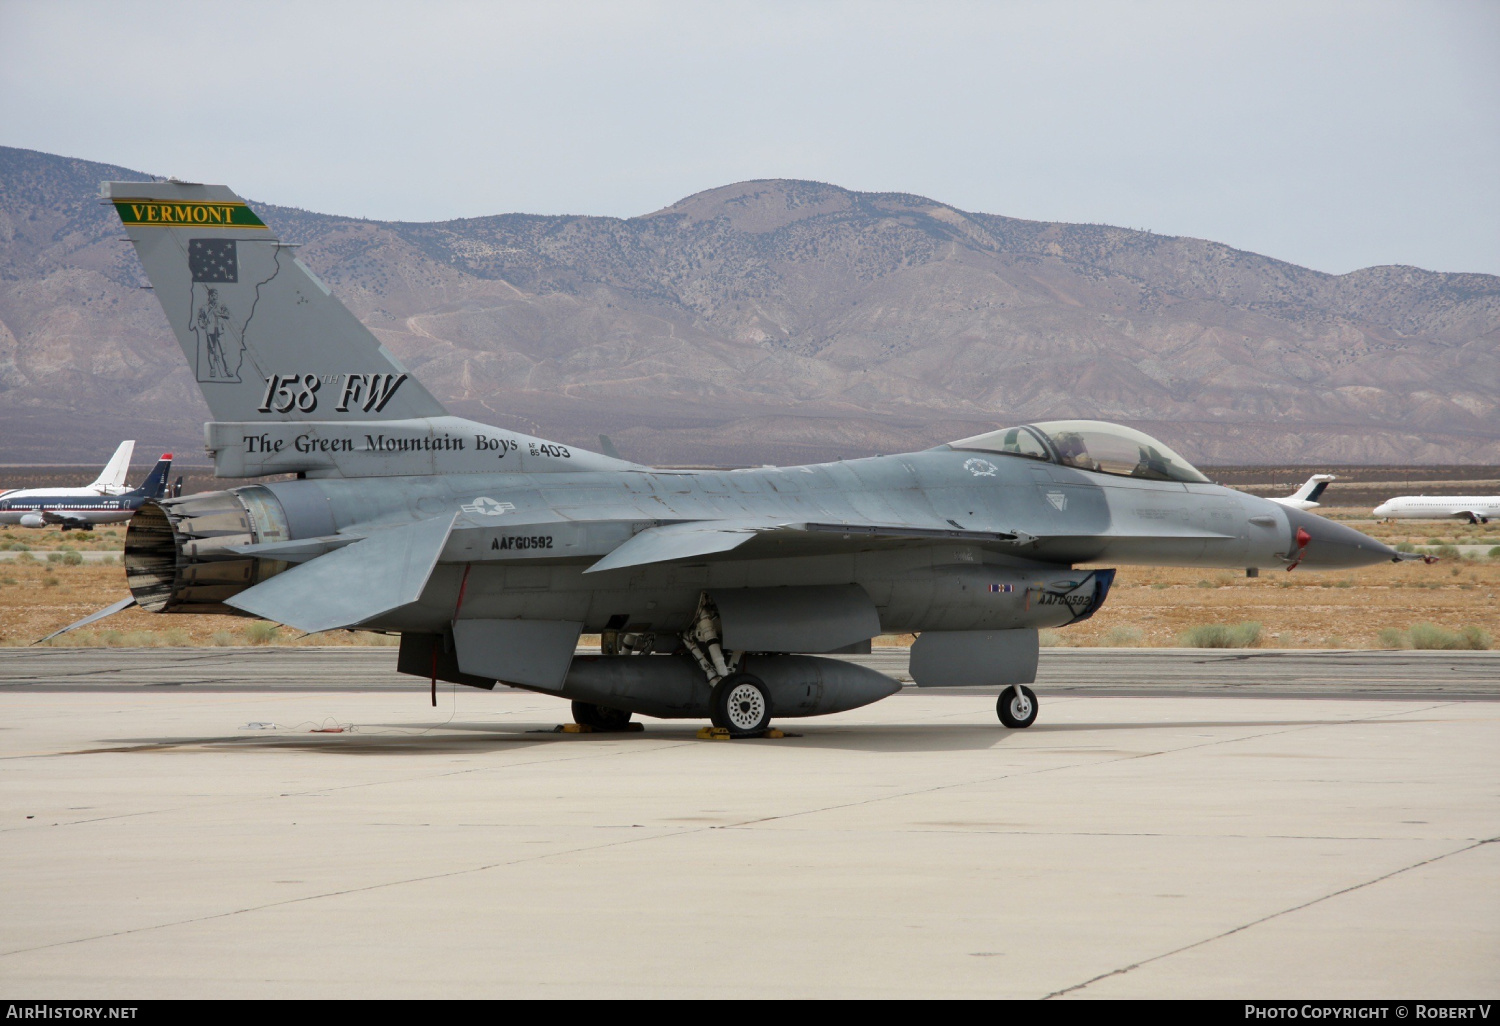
[717, 594]
[106, 501]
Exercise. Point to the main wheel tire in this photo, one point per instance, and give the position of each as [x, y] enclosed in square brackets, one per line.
[1017, 706]
[741, 704]
[600, 717]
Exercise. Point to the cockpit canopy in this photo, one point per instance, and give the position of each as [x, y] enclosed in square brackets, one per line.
[1088, 445]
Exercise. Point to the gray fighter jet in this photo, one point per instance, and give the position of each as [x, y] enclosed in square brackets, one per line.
[715, 592]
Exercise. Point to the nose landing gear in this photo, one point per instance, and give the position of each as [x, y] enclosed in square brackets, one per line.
[1017, 706]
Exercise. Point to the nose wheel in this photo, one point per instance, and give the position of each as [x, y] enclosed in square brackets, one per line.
[1017, 706]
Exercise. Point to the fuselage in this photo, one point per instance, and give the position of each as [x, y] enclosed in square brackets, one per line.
[522, 543]
[26, 506]
[1440, 507]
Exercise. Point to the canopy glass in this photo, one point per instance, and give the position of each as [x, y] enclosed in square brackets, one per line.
[1094, 445]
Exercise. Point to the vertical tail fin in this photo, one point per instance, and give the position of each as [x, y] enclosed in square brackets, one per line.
[112, 478]
[266, 339]
[155, 485]
[1312, 488]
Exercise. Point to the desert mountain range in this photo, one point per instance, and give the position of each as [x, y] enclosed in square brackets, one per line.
[776, 322]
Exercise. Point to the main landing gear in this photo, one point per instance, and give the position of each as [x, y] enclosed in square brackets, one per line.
[601, 717]
[1017, 706]
[741, 705]
[740, 702]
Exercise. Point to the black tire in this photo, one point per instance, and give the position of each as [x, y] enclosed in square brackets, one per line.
[741, 704]
[600, 717]
[1017, 706]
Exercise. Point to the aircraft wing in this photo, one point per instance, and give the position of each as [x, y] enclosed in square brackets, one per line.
[672, 543]
[53, 517]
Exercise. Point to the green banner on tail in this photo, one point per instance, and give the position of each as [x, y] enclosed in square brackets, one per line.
[188, 215]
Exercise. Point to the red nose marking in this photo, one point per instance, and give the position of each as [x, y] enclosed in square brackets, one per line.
[1302, 539]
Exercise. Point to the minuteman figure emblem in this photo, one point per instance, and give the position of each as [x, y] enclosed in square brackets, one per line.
[214, 264]
[216, 362]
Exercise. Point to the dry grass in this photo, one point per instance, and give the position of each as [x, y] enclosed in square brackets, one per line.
[37, 597]
[108, 538]
[1374, 607]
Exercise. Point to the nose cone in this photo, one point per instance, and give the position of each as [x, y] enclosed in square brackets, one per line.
[1332, 546]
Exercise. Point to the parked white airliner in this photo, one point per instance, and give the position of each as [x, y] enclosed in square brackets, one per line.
[1307, 496]
[1476, 509]
[108, 500]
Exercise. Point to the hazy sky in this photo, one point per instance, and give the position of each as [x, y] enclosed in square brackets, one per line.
[1335, 135]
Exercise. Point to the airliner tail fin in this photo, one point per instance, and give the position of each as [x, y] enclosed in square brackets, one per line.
[1313, 488]
[155, 485]
[112, 477]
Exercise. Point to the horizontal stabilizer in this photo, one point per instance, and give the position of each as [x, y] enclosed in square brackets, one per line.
[355, 584]
[118, 607]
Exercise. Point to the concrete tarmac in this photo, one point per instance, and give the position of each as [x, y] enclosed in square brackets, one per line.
[154, 842]
[1120, 671]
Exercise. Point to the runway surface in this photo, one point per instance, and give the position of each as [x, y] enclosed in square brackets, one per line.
[171, 825]
[1181, 672]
